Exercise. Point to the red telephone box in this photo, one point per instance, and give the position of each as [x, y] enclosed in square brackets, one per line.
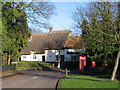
[82, 62]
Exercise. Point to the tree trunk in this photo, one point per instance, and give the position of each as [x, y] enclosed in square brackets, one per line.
[58, 64]
[5, 58]
[118, 55]
[9, 59]
[116, 66]
[58, 59]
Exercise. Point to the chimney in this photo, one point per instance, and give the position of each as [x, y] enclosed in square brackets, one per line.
[50, 29]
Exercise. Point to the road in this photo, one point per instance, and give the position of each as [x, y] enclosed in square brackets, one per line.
[33, 79]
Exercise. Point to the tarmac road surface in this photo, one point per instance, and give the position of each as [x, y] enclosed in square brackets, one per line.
[33, 79]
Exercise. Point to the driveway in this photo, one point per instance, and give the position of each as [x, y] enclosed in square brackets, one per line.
[33, 79]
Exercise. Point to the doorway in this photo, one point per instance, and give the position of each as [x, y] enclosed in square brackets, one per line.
[43, 58]
[62, 61]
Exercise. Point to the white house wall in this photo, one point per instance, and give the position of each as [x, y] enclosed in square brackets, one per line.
[30, 57]
[50, 55]
[68, 56]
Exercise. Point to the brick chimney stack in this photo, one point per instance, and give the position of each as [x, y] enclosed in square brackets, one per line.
[50, 29]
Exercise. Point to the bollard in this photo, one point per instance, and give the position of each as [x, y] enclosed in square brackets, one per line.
[66, 72]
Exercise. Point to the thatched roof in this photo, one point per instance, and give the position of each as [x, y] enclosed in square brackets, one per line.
[52, 40]
[74, 42]
[41, 41]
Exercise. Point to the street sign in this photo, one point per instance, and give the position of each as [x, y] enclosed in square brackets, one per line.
[14, 62]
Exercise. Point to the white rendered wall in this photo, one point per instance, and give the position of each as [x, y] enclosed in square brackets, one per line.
[30, 57]
[50, 55]
[68, 56]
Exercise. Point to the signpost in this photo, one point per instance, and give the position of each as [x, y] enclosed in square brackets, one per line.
[14, 63]
[66, 72]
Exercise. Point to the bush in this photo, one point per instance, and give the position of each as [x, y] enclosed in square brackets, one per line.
[71, 65]
[6, 68]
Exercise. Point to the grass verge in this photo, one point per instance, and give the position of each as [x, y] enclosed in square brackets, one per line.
[24, 65]
[7, 73]
[87, 82]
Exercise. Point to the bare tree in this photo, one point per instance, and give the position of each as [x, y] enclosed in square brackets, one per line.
[56, 41]
[37, 13]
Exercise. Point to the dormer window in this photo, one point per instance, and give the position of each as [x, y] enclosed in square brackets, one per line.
[32, 51]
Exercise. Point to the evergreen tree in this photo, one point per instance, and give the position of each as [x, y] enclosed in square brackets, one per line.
[15, 18]
[99, 31]
[15, 30]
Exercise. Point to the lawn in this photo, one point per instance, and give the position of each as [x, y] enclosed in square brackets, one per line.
[86, 82]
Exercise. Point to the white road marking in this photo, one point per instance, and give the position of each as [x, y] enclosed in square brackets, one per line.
[35, 77]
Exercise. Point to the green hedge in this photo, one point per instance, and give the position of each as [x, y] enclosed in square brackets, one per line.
[8, 68]
[28, 65]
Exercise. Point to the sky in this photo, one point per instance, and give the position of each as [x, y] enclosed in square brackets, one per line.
[62, 20]
[64, 10]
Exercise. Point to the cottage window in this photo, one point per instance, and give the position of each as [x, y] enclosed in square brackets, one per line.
[24, 56]
[32, 51]
[34, 56]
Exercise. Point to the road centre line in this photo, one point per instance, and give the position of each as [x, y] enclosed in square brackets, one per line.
[35, 77]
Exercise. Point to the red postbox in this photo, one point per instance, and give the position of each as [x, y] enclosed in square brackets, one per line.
[93, 63]
[82, 62]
